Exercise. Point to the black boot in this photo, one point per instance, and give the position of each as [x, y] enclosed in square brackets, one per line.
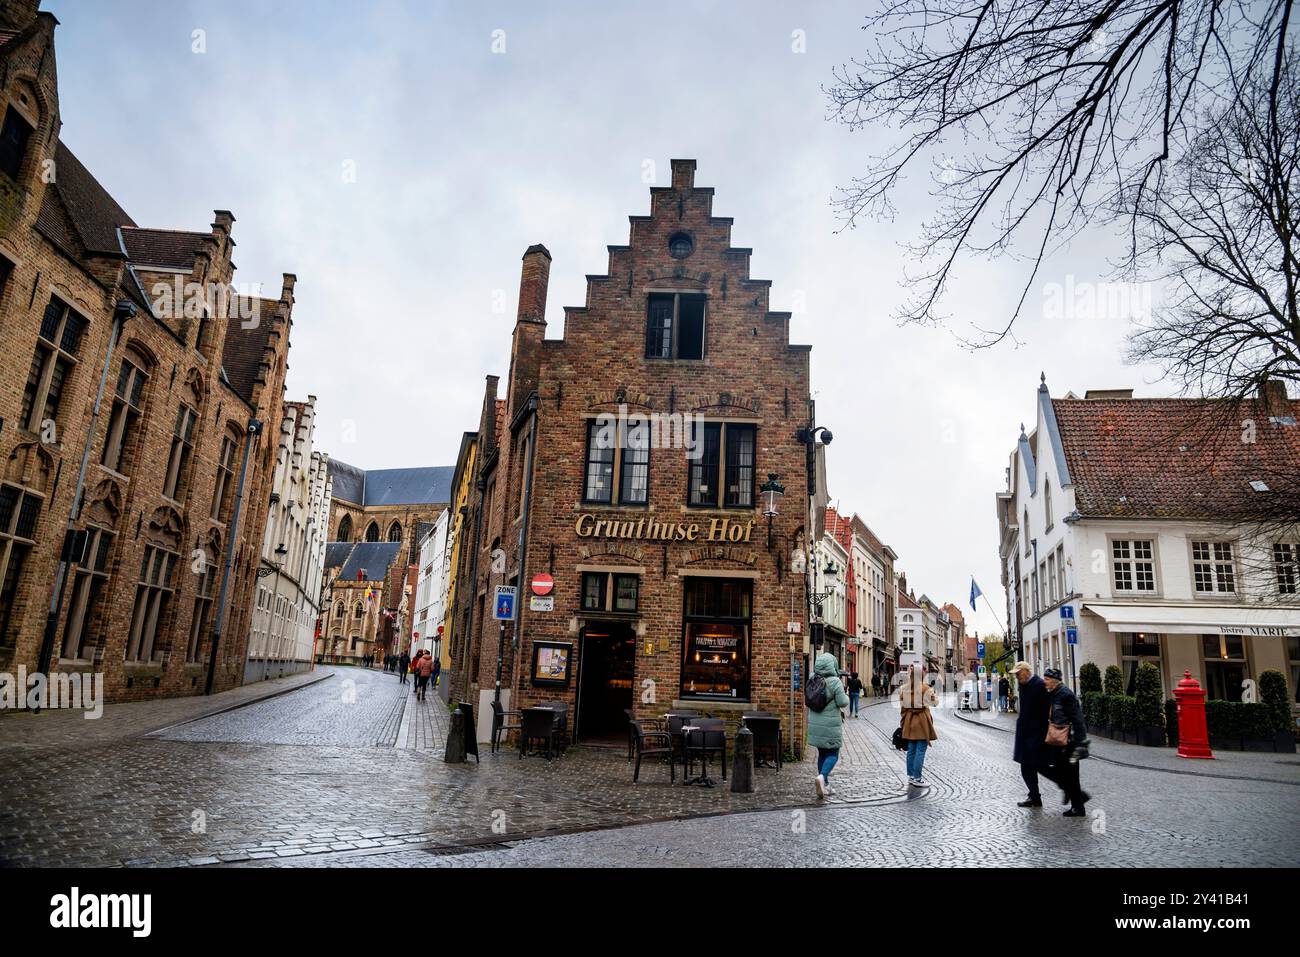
[1030, 802]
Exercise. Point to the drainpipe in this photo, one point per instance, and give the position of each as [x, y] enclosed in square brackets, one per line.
[479, 486]
[523, 541]
[250, 436]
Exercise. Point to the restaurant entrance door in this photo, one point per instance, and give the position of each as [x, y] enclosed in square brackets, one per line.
[605, 673]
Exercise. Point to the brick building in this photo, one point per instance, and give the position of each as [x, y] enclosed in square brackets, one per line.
[88, 297]
[668, 589]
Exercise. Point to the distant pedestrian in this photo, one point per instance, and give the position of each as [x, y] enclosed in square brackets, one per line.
[1066, 723]
[915, 699]
[1004, 693]
[1031, 730]
[415, 667]
[402, 662]
[826, 727]
[423, 675]
[437, 670]
[855, 692]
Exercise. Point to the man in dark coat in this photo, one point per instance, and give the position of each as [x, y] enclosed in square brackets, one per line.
[1061, 764]
[1031, 730]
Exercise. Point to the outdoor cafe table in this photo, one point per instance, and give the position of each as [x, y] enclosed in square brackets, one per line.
[703, 779]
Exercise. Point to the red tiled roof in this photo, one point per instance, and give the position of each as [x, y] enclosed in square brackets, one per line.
[91, 213]
[1176, 458]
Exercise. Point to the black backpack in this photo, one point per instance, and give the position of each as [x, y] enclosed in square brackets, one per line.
[815, 694]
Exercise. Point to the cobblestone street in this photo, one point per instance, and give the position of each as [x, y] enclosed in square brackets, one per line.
[348, 771]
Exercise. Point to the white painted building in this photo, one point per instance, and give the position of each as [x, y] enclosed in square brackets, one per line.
[286, 609]
[432, 585]
[1131, 513]
[830, 577]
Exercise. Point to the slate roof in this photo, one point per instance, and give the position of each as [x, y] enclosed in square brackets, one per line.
[336, 553]
[1176, 458]
[170, 248]
[372, 557]
[425, 485]
[78, 211]
[241, 359]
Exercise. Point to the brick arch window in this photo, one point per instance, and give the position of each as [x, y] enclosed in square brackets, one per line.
[15, 135]
[153, 596]
[20, 509]
[345, 529]
[339, 610]
[358, 611]
[372, 532]
[223, 494]
[88, 583]
[124, 417]
[395, 532]
[56, 356]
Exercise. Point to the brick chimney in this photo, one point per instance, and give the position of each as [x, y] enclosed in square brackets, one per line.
[530, 327]
[1272, 393]
[17, 14]
[683, 173]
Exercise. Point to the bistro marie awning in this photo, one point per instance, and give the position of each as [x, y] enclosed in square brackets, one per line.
[1199, 619]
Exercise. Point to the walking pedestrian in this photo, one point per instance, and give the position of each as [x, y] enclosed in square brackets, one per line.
[1066, 743]
[423, 675]
[1031, 730]
[402, 662]
[826, 727]
[855, 692]
[415, 667]
[1004, 693]
[915, 699]
[437, 670]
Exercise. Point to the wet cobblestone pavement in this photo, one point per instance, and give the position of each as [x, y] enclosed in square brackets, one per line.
[349, 772]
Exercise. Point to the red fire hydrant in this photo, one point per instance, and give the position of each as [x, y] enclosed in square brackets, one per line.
[1193, 736]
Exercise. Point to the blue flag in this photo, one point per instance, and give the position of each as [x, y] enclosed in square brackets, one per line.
[974, 593]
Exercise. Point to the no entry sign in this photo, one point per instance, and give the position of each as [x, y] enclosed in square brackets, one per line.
[542, 583]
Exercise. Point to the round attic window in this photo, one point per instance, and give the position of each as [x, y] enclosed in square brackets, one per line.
[680, 245]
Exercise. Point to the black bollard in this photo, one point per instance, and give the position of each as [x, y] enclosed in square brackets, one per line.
[455, 751]
[742, 767]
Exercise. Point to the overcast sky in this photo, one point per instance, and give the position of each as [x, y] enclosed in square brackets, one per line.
[408, 276]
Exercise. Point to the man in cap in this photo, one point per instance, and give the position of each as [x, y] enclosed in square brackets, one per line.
[1031, 730]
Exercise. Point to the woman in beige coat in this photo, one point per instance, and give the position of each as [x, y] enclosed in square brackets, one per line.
[915, 699]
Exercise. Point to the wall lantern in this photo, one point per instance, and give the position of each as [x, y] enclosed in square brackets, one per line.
[772, 491]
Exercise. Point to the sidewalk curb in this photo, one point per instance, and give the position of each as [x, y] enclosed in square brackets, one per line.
[1148, 767]
[235, 707]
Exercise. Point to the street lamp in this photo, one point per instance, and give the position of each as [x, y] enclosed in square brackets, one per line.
[772, 491]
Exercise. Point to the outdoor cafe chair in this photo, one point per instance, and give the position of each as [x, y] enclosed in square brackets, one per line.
[767, 739]
[708, 736]
[503, 722]
[652, 744]
[537, 724]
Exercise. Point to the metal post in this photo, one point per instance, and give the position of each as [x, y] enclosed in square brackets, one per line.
[250, 435]
[124, 310]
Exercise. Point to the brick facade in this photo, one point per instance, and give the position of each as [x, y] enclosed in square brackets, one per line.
[750, 376]
[157, 510]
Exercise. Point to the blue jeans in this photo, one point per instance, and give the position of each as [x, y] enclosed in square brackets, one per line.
[826, 758]
[916, 757]
[1002, 702]
[853, 703]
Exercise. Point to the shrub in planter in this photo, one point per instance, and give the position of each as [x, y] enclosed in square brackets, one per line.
[1090, 679]
[1114, 683]
[1272, 692]
[1171, 721]
[1257, 727]
[1124, 715]
[1149, 715]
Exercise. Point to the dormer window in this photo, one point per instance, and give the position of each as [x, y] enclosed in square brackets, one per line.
[675, 326]
[13, 143]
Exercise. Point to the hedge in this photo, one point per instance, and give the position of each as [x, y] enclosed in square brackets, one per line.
[1236, 719]
[1094, 707]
